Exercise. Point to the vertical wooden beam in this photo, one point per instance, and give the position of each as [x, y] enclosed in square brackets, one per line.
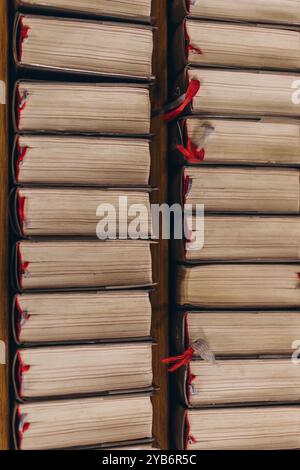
[159, 179]
[4, 387]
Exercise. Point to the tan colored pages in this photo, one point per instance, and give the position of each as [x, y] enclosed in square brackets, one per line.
[239, 286]
[60, 264]
[236, 333]
[241, 45]
[263, 428]
[277, 11]
[246, 93]
[242, 238]
[79, 160]
[258, 190]
[77, 212]
[82, 107]
[244, 381]
[128, 8]
[85, 369]
[82, 316]
[84, 422]
[84, 46]
[140, 447]
[240, 142]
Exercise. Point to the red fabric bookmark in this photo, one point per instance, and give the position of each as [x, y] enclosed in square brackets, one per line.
[189, 46]
[180, 360]
[191, 152]
[21, 211]
[23, 35]
[189, 438]
[23, 426]
[22, 265]
[192, 90]
[22, 316]
[21, 156]
[22, 368]
[21, 104]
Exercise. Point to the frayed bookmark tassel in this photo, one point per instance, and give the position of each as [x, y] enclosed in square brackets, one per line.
[193, 88]
[192, 153]
[198, 348]
[179, 361]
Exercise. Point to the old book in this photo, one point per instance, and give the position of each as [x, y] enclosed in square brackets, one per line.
[57, 264]
[236, 141]
[239, 286]
[77, 212]
[253, 428]
[237, 92]
[82, 46]
[238, 333]
[243, 238]
[107, 108]
[269, 11]
[140, 11]
[237, 189]
[85, 422]
[257, 46]
[237, 381]
[82, 370]
[148, 447]
[81, 316]
[81, 160]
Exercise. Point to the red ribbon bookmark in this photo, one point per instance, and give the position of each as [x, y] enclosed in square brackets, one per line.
[23, 35]
[180, 360]
[23, 426]
[195, 49]
[191, 152]
[22, 151]
[199, 348]
[192, 90]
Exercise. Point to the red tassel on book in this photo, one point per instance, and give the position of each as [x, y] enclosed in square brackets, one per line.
[21, 156]
[23, 426]
[189, 438]
[192, 90]
[191, 378]
[179, 360]
[22, 317]
[22, 265]
[19, 319]
[23, 35]
[22, 368]
[21, 104]
[187, 185]
[198, 348]
[195, 49]
[191, 152]
[189, 46]
[21, 211]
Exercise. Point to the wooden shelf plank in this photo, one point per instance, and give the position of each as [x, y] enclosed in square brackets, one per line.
[159, 179]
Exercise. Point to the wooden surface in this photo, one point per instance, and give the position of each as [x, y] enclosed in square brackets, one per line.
[4, 402]
[159, 179]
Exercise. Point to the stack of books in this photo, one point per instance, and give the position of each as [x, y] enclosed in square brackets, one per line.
[235, 148]
[82, 370]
